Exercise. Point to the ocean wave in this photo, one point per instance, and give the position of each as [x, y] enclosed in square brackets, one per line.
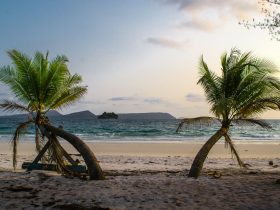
[145, 130]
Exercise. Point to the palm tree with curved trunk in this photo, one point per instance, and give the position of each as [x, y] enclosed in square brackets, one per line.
[40, 85]
[246, 88]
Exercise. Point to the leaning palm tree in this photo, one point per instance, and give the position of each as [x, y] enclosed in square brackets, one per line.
[40, 85]
[246, 88]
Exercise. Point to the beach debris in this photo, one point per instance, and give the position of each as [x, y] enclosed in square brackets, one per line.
[246, 165]
[272, 164]
[254, 172]
[214, 174]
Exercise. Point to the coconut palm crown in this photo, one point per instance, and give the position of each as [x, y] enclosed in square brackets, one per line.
[246, 88]
[39, 85]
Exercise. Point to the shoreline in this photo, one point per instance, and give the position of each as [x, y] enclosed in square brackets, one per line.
[157, 140]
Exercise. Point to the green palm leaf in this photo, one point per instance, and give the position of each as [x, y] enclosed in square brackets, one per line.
[12, 106]
[19, 130]
[197, 120]
[246, 88]
[39, 85]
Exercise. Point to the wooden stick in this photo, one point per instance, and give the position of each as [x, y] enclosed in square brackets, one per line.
[42, 152]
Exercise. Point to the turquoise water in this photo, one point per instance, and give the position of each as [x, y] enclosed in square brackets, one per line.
[145, 130]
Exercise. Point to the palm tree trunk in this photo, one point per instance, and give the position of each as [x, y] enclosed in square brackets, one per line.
[95, 171]
[203, 152]
[37, 139]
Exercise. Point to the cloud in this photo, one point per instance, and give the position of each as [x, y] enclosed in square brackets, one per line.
[237, 8]
[165, 42]
[121, 98]
[209, 14]
[153, 101]
[91, 102]
[192, 97]
[198, 24]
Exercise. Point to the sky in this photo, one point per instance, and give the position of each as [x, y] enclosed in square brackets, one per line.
[135, 56]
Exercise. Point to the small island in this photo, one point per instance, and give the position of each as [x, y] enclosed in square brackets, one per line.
[108, 115]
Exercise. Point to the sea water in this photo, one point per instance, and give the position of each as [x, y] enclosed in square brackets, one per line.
[145, 130]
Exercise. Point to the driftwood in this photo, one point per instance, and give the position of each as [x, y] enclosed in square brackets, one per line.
[53, 167]
[93, 168]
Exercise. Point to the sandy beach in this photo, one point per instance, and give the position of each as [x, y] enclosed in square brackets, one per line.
[148, 176]
[177, 100]
[269, 149]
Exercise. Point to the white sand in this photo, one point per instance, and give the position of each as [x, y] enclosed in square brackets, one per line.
[187, 149]
[148, 176]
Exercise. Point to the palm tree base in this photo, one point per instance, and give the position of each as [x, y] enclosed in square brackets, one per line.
[199, 159]
[94, 170]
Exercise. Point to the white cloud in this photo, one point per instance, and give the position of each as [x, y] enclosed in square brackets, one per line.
[122, 98]
[165, 42]
[90, 102]
[209, 14]
[192, 97]
[237, 8]
[153, 100]
[199, 24]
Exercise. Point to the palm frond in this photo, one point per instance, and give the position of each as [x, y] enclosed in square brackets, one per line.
[234, 152]
[196, 120]
[25, 74]
[39, 82]
[260, 122]
[212, 84]
[14, 141]
[245, 88]
[12, 106]
[69, 97]
[58, 156]
[20, 60]
[75, 79]
[40, 85]
[209, 81]
[259, 105]
[11, 78]
[38, 141]
[7, 73]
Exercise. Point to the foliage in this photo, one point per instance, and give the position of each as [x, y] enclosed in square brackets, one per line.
[38, 85]
[271, 20]
[246, 88]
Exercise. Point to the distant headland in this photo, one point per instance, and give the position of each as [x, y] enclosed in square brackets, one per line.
[87, 115]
